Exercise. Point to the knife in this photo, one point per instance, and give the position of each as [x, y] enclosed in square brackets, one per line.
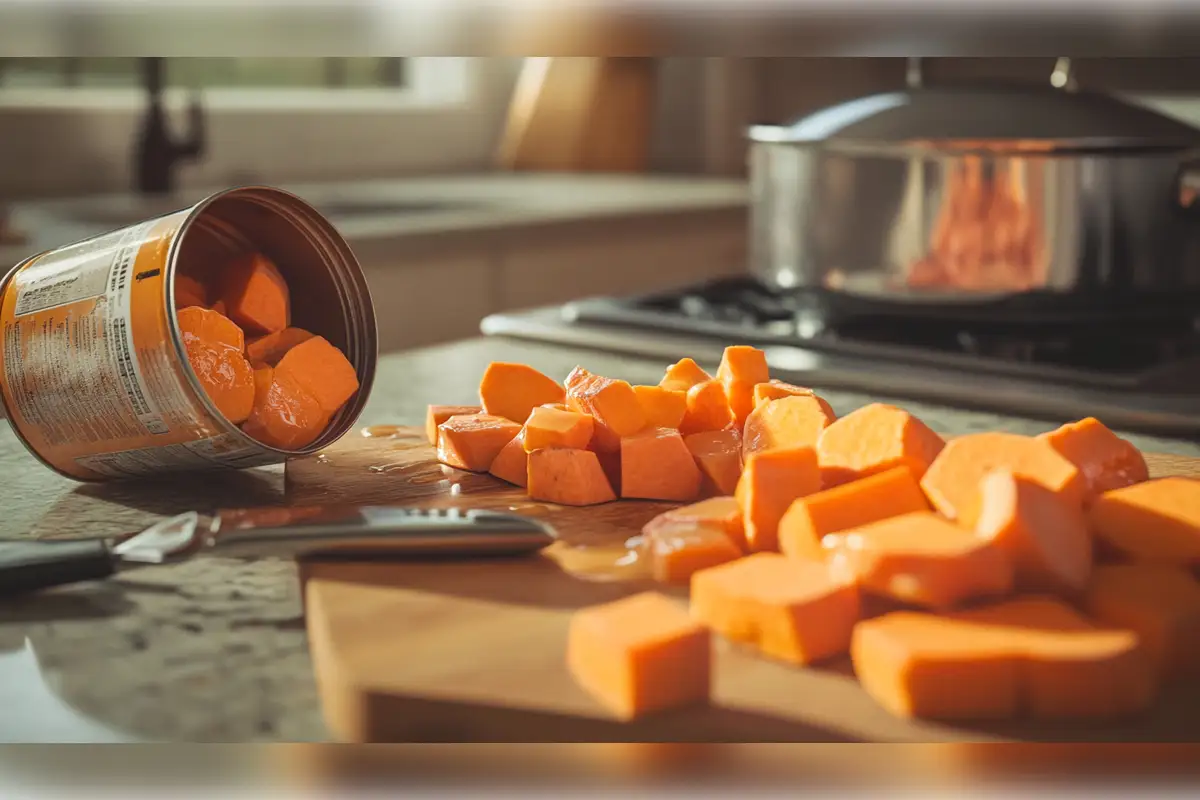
[299, 531]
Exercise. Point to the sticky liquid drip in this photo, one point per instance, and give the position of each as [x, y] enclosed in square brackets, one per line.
[603, 563]
[389, 432]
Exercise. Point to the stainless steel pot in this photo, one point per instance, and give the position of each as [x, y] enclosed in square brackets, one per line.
[980, 196]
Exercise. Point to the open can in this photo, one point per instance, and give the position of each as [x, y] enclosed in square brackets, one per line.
[96, 379]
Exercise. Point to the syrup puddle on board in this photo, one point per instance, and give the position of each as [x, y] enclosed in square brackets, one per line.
[603, 563]
[389, 432]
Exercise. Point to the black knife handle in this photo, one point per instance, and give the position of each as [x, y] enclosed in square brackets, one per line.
[28, 566]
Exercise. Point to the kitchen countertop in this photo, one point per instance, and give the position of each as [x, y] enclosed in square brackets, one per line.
[214, 649]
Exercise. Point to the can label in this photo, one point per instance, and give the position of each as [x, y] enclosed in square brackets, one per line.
[92, 379]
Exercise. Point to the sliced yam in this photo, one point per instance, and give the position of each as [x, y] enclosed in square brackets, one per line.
[263, 378]
[657, 465]
[789, 609]
[613, 404]
[721, 512]
[640, 655]
[775, 389]
[852, 505]
[771, 481]
[271, 348]
[322, 370]
[568, 477]
[680, 547]
[952, 481]
[707, 408]
[256, 295]
[511, 464]
[719, 456]
[1160, 603]
[436, 415]
[189, 292]
[1045, 537]
[795, 421]
[919, 559]
[664, 407]
[225, 375]
[550, 426]
[1029, 656]
[208, 326]
[1106, 460]
[287, 416]
[472, 441]
[741, 369]
[1156, 521]
[683, 375]
[513, 390]
[873, 439]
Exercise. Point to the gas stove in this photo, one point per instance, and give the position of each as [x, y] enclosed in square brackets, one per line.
[1138, 372]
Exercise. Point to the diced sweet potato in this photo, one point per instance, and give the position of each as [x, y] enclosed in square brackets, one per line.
[436, 415]
[255, 294]
[568, 477]
[771, 480]
[613, 404]
[741, 369]
[656, 465]
[287, 416]
[952, 481]
[263, 378]
[707, 408]
[210, 327]
[872, 439]
[1106, 461]
[512, 463]
[719, 456]
[851, 505]
[189, 292]
[548, 426]
[269, 349]
[1156, 520]
[919, 559]
[795, 421]
[790, 609]
[664, 407]
[721, 512]
[472, 441]
[683, 375]
[322, 370]
[1033, 656]
[1160, 603]
[639, 655]
[775, 389]
[214, 350]
[513, 390]
[1046, 537]
[681, 546]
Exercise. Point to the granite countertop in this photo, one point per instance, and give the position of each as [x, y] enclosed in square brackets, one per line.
[214, 649]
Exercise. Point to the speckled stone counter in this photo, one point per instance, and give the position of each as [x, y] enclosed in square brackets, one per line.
[214, 649]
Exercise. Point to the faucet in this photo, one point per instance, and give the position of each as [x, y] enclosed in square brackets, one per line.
[156, 153]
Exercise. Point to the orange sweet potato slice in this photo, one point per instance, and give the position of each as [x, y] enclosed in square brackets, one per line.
[790, 609]
[322, 370]
[472, 441]
[613, 404]
[436, 415]
[952, 481]
[214, 350]
[872, 439]
[189, 292]
[683, 375]
[1156, 520]
[255, 294]
[286, 416]
[1045, 536]
[512, 463]
[514, 390]
[919, 559]
[775, 389]
[656, 465]
[851, 505]
[741, 369]
[548, 426]
[664, 407]
[271, 348]
[1106, 461]
[208, 326]
[1160, 603]
[707, 408]
[640, 655]
[719, 456]
[263, 378]
[721, 512]
[1029, 656]
[568, 477]
[679, 547]
[770, 482]
[795, 421]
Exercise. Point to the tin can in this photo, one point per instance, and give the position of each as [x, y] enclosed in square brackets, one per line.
[95, 378]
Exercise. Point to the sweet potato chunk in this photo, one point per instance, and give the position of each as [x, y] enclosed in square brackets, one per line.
[1106, 461]
[286, 416]
[613, 404]
[512, 463]
[255, 294]
[639, 655]
[513, 390]
[775, 389]
[1156, 520]
[268, 350]
[741, 369]
[683, 375]
[568, 477]
[952, 481]
[851, 505]
[770, 482]
[707, 408]
[214, 350]
[790, 609]
[721, 512]
[322, 370]
[656, 465]
[436, 415]
[664, 407]
[189, 292]
[873, 439]
[1036, 656]
[472, 441]
[795, 421]
[263, 378]
[719, 456]
[206, 325]
[548, 426]
[681, 546]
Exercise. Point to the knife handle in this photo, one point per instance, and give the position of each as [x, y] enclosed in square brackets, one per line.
[29, 566]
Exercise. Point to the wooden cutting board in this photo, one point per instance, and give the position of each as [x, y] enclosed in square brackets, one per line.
[474, 651]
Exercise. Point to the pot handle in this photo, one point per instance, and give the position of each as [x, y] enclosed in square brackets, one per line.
[1060, 78]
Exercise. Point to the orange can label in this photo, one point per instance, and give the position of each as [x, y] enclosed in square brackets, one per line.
[93, 380]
